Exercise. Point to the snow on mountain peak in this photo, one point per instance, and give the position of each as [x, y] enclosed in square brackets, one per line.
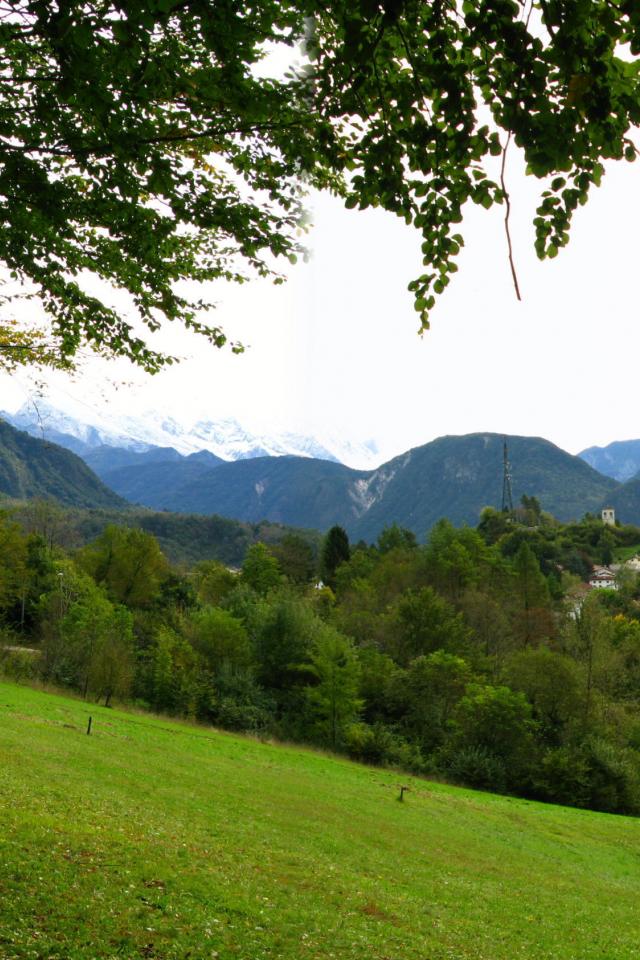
[81, 427]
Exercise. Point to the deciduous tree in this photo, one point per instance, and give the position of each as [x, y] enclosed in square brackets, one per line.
[260, 570]
[334, 700]
[129, 563]
[296, 559]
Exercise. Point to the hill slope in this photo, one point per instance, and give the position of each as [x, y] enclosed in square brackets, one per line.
[309, 493]
[453, 477]
[151, 482]
[153, 839]
[625, 500]
[32, 468]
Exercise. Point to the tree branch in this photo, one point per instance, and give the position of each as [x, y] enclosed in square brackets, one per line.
[507, 215]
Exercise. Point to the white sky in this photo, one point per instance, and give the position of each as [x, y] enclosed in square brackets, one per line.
[337, 344]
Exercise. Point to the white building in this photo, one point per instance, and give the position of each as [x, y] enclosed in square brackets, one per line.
[603, 578]
[609, 516]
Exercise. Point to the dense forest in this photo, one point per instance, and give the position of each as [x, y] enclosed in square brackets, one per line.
[481, 656]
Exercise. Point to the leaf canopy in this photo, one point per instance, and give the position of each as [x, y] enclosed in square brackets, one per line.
[140, 146]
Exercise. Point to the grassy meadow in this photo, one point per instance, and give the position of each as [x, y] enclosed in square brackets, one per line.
[155, 839]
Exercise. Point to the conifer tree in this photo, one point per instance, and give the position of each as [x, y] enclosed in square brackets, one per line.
[532, 586]
[335, 552]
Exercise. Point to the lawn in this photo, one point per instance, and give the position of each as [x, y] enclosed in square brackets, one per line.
[622, 554]
[153, 839]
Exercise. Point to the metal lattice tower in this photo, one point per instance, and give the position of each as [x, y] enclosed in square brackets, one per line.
[507, 497]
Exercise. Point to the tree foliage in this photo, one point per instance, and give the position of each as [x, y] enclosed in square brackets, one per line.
[334, 698]
[260, 570]
[116, 119]
[141, 147]
[128, 563]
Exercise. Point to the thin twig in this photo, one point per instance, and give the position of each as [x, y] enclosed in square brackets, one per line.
[507, 215]
[504, 188]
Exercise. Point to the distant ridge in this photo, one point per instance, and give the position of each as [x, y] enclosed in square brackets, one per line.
[620, 459]
[151, 483]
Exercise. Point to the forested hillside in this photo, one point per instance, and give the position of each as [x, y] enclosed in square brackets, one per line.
[453, 477]
[34, 468]
[298, 491]
[481, 656]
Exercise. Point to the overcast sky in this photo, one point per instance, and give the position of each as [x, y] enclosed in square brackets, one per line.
[337, 344]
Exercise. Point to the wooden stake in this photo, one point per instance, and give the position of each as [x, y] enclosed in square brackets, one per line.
[89, 727]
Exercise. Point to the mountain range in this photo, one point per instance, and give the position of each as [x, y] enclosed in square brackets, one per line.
[83, 428]
[453, 476]
[148, 481]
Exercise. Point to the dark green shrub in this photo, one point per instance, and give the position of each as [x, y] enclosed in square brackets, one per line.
[18, 664]
[381, 747]
[241, 703]
[478, 768]
[563, 777]
[597, 776]
[614, 785]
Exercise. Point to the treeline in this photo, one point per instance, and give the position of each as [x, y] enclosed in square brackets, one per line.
[184, 538]
[478, 656]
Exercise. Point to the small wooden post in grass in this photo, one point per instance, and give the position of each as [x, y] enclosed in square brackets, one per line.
[89, 727]
[402, 790]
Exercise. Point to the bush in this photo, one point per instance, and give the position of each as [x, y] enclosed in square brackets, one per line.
[498, 721]
[613, 780]
[242, 704]
[381, 747]
[563, 778]
[18, 664]
[478, 768]
[597, 776]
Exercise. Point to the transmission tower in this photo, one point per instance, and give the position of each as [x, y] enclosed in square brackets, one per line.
[507, 497]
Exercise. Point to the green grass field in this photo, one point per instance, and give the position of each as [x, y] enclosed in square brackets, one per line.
[158, 840]
[622, 554]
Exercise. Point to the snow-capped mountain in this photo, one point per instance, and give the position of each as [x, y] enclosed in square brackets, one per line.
[81, 428]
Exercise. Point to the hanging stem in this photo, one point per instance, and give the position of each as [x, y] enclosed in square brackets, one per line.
[506, 218]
